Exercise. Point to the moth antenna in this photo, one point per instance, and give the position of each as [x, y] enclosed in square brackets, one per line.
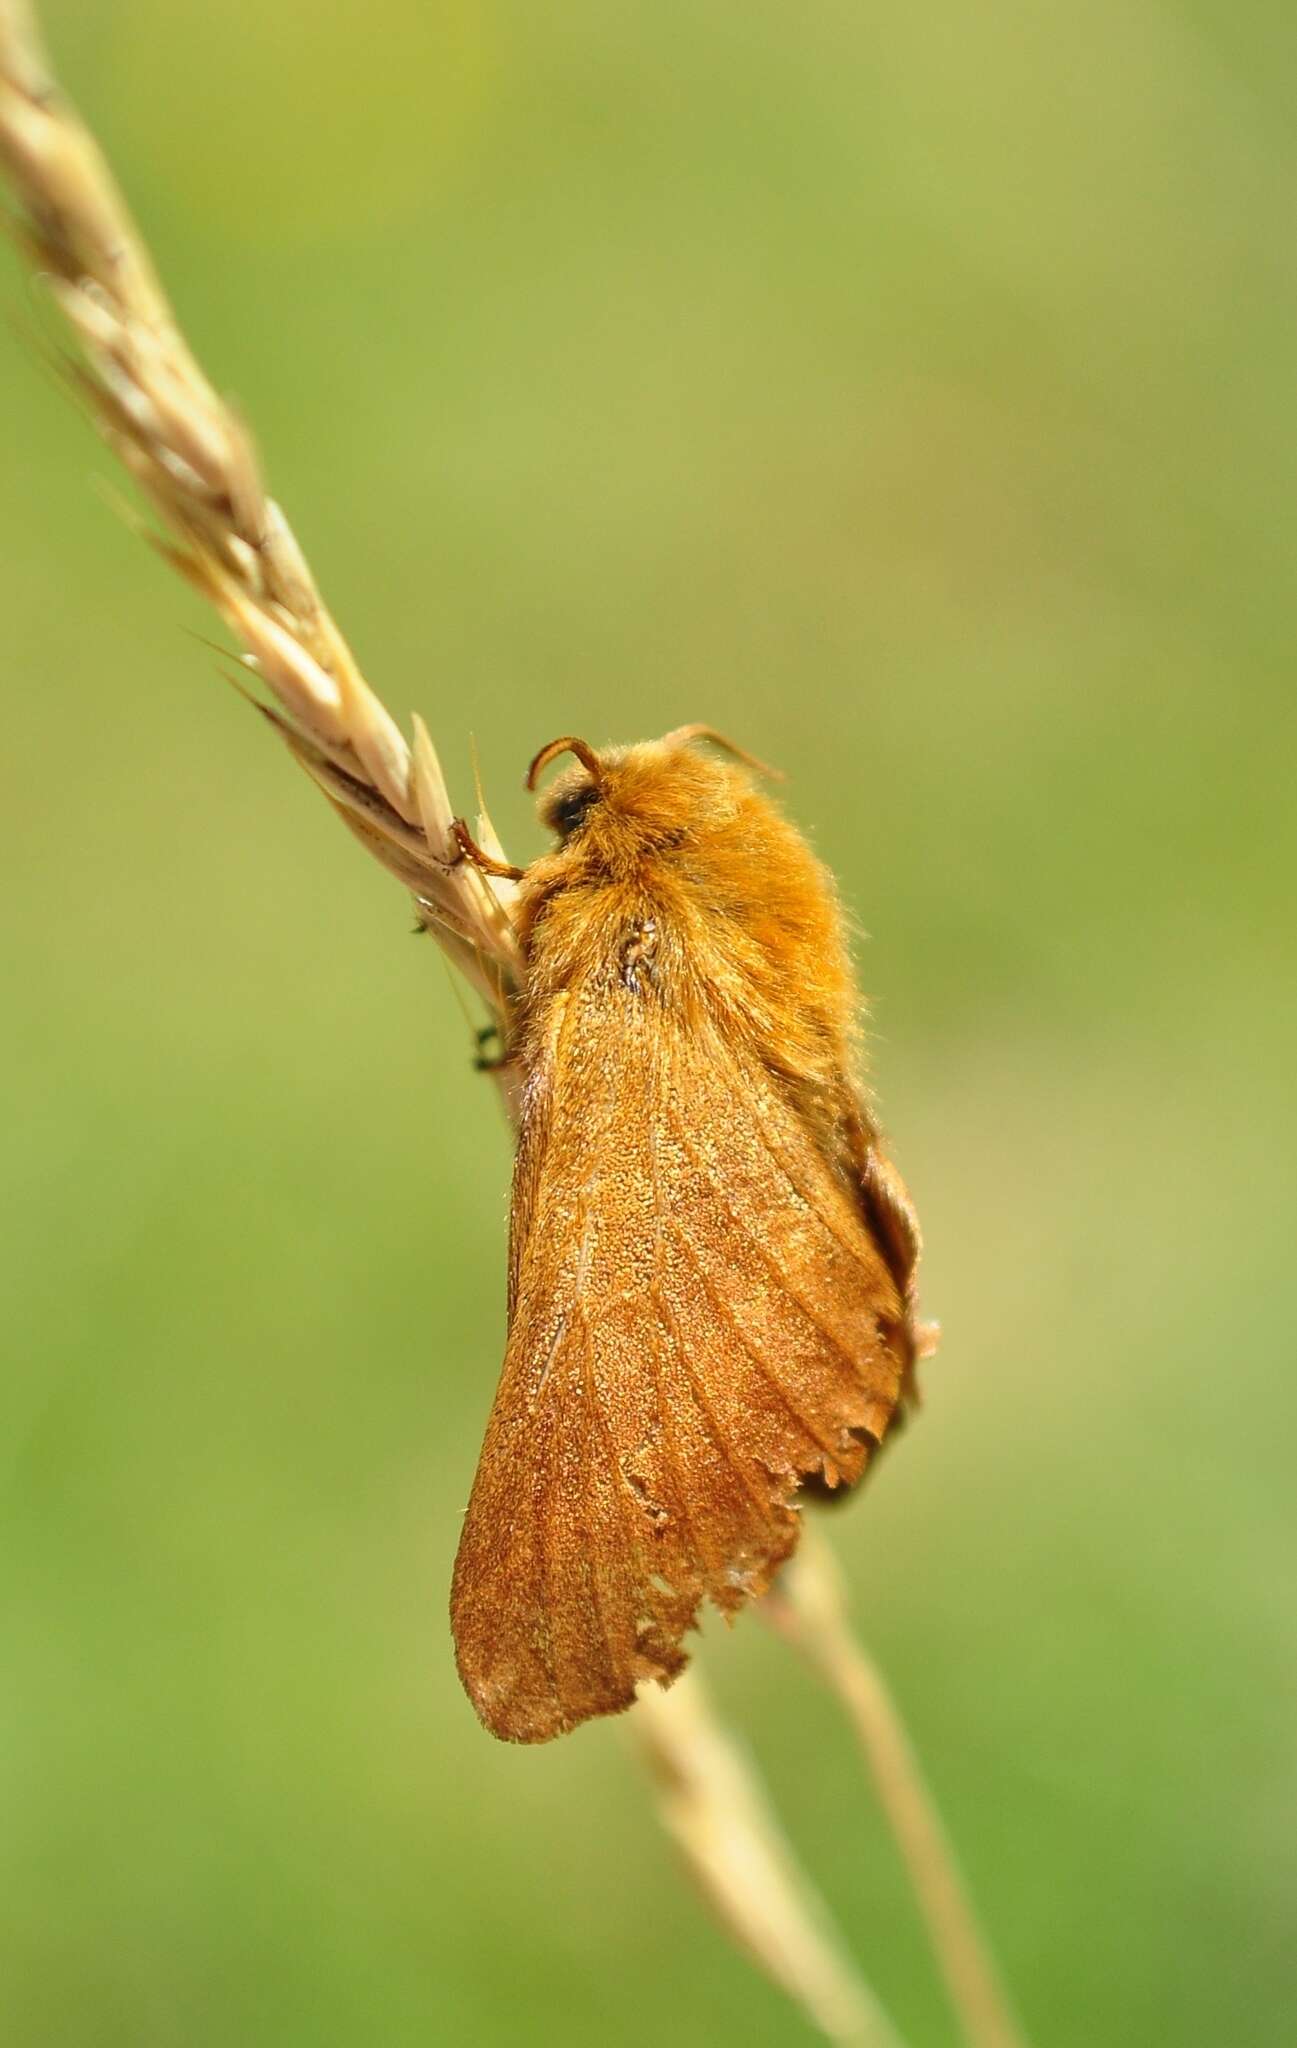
[585, 754]
[718, 739]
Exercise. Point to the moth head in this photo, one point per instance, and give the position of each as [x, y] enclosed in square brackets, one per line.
[650, 796]
[567, 806]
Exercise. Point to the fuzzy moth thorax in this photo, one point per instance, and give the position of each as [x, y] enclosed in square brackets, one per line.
[740, 911]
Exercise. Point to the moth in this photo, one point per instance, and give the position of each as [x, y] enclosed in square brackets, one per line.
[712, 1260]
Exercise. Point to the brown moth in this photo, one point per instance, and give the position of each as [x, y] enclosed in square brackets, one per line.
[711, 1271]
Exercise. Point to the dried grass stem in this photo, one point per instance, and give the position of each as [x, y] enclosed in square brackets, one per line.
[809, 1608]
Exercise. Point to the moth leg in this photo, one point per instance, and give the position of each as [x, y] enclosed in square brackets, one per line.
[470, 850]
[491, 1062]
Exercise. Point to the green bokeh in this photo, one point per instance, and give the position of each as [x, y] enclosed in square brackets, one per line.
[910, 391]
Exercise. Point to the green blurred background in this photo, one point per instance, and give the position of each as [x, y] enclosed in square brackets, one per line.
[911, 391]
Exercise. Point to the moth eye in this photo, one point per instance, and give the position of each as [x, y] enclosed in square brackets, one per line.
[570, 812]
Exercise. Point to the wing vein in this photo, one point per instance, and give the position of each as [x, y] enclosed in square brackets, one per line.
[721, 1438]
[830, 1336]
[763, 1365]
[835, 1232]
[615, 1479]
[544, 1639]
[662, 1312]
[847, 1242]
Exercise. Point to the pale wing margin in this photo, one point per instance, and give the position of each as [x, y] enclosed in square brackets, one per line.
[699, 1318]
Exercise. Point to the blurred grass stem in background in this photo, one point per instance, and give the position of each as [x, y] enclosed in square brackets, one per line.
[194, 461]
[807, 1604]
[711, 1802]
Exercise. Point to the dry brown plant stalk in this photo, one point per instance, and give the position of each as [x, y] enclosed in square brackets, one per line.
[808, 1606]
[711, 1802]
[194, 461]
[195, 464]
